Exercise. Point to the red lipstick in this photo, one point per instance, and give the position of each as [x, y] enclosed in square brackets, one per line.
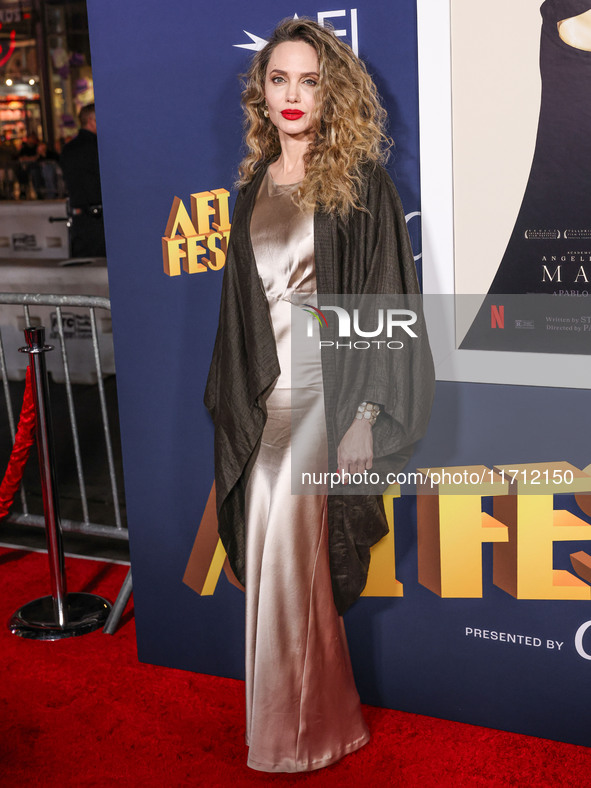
[292, 114]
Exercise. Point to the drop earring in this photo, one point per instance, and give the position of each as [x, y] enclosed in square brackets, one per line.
[266, 111]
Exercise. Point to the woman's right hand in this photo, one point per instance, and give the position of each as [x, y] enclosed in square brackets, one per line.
[355, 452]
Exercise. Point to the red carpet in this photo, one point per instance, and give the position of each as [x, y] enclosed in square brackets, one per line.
[84, 712]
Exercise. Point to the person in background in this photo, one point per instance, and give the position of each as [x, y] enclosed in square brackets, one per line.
[80, 165]
[27, 159]
[8, 168]
[47, 161]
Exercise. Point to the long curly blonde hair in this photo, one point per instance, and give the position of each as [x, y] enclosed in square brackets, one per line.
[350, 127]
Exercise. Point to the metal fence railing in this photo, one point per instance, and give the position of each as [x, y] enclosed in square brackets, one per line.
[84, 353]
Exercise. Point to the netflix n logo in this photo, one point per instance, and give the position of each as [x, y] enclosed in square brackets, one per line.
[497, 316]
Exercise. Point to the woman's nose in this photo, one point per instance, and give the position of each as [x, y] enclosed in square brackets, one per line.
[293, 93]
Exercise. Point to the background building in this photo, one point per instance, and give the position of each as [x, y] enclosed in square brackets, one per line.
[45, 69]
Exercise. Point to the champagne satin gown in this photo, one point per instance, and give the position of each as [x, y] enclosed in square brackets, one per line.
[302, 707]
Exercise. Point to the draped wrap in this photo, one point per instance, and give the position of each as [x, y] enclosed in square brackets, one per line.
[367, 252]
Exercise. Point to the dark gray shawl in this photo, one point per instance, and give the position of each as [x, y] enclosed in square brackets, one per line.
[368, 252]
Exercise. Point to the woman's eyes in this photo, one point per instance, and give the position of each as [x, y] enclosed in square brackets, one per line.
[278, 80]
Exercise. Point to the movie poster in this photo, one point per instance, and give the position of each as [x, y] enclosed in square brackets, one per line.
[520, 73]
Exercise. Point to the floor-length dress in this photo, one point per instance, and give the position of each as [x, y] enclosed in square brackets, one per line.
[302, 706]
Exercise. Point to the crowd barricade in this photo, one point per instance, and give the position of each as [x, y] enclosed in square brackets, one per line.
[34, 230]
[68, 312]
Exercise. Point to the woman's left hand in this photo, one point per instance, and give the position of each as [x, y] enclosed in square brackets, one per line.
[355, 452]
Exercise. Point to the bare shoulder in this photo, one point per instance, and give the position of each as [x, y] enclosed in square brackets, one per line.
[576, 31]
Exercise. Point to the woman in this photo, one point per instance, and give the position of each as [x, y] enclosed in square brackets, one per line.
[315, 213]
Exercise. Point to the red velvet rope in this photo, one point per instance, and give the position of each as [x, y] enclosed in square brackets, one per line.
[24, 439]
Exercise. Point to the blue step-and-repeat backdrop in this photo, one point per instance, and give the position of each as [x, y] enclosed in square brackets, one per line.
[476, 609]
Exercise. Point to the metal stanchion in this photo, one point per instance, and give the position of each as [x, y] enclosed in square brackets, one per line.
[119, 606]
[60, 615]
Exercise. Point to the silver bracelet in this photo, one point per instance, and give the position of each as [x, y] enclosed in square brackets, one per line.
[369, 411]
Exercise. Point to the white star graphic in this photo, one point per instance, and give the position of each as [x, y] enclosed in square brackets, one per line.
[256, 42]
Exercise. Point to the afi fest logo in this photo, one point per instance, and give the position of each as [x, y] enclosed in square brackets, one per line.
[336, 18]
[387, 320]
[199, 242]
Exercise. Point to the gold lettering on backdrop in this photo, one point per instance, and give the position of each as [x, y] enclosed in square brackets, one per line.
[584, 500]
[199, 242]
[201, 210]
[194, 249]
[178, 228]
[524, 566]
[452, 528]
[581, 562]
[221, 210]
[208, 556]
